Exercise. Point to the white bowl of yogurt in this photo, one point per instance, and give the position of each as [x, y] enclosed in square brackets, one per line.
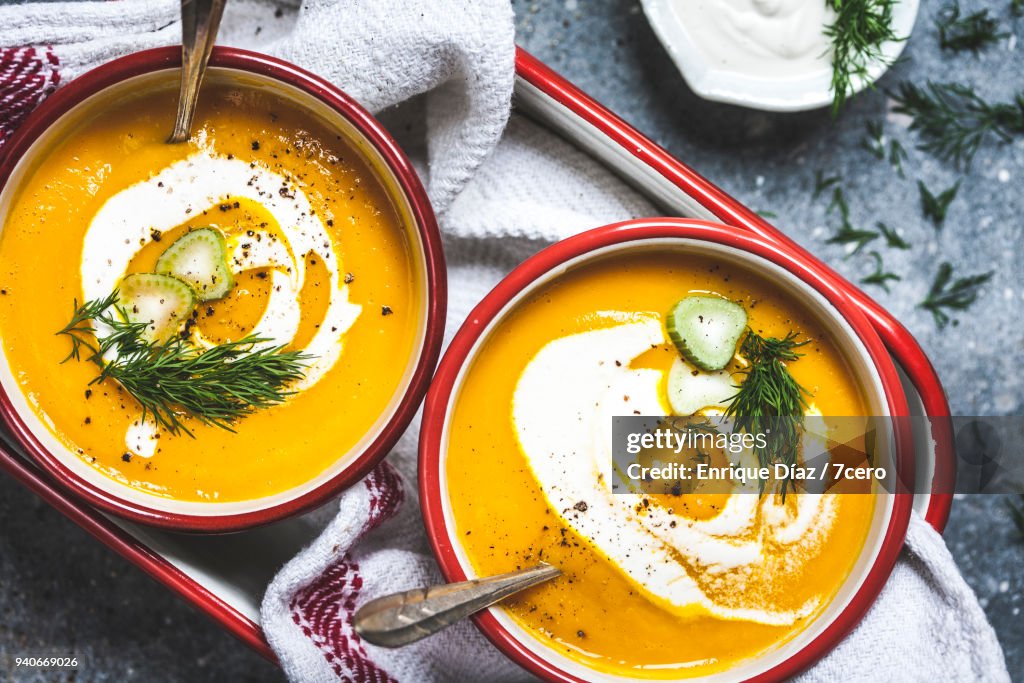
[762, 54]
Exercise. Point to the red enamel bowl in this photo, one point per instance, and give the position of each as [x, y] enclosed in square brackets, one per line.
[872, 364]
[400, 181]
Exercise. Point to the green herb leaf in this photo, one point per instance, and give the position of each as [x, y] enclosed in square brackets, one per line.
[955, 295]
[973, 32]
[80, 329]
[880, 277]
[897, 155]
[935, 207]
[874, 140]
[892, 238]
[770, 401]
[847, 234]
[953, 121]
[172, 379]
[1017, 514]
[823, 182]
[860, 30]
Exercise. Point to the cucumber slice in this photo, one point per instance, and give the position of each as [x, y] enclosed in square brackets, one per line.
[163, 302]
[199, 258]
[706, 330]
[690, 390]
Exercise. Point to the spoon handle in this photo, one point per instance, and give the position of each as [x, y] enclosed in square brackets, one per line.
[200, 20]
[403, 618]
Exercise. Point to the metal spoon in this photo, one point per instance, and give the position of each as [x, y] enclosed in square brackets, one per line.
[403, 618]
[199, 22]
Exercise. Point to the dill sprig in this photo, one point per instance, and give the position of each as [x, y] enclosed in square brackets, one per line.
[880, 276]
[948, 294]
[897, 155]
[847, 234]
[770, 401]
[172, 379]
[972, 32]
[860, 30]
[83, 334]
[892, 238]
[953, 121]
[935, 206]
[874, 140]
[823, 182]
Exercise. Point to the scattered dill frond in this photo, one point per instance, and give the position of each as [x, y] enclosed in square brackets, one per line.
[934, 207]
[172, 379]
[770, 401]
[847, 234]
[972, 32]
[763, 213]
[1017, 7]
[874, 140]
[953, 121]
[839, 204]
[860, 30]
[1017, 514]
[880, 276]
[892, 238]
[823, 182]
[897, 155]
[954, 295]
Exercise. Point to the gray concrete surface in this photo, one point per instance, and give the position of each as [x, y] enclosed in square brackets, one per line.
[62, 592]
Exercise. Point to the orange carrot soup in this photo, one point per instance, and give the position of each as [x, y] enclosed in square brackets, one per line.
[219, 320]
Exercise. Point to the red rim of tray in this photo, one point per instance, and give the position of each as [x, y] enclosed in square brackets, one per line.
[408, 183]
[896, 337]
[435, 416]
[129, 547]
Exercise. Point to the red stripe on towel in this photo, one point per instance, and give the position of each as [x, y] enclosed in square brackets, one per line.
[324, 609]
[27, 76]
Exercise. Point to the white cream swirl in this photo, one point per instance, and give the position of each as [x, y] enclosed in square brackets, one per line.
[562, 409]
[770, 38]
[127, 221]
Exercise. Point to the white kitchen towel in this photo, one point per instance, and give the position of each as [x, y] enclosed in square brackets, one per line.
[532, 189]
[381, 53]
